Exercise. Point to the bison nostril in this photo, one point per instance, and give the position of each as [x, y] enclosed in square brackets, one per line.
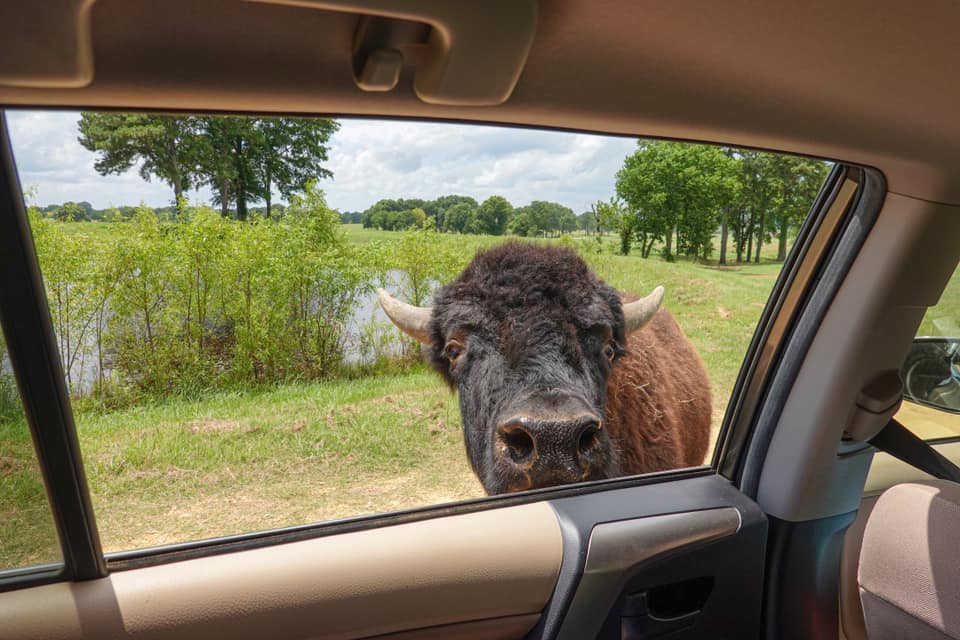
[519, 444]
[588, 438]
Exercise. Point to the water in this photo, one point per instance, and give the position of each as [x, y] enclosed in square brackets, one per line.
[368, 333]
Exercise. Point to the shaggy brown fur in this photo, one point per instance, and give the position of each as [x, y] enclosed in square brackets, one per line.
[658, 401]
[529, 336]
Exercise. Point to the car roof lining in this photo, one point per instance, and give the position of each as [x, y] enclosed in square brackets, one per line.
[843, 81]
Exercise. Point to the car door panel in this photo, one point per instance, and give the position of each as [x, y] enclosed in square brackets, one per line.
[487, 574]
[497, 566]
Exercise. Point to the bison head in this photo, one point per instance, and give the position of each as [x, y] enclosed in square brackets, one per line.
[528, 336]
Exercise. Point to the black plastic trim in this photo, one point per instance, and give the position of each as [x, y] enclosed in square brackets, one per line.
[33, 576]
[802, 587]
[579, 514]
[31, 345]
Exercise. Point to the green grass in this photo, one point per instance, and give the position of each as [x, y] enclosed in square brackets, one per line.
[943, 319]
[182, 469]
[231, 463]
[99, 231]
[27, 532]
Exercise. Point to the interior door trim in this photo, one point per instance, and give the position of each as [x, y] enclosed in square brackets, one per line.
[493, 565]
[617, 549]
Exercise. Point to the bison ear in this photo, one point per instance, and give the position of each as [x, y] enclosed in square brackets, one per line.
[413, 321]
[637, 314]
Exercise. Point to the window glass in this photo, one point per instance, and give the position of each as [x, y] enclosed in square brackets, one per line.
[28, 535]
[931, 370]
[213, 282]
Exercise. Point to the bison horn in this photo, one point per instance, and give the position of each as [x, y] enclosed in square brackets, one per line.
[413, 321]
[639, 313]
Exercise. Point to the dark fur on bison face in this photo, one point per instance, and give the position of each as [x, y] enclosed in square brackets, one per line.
[528, 336]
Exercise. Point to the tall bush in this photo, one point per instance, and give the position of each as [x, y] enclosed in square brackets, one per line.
[174, 307]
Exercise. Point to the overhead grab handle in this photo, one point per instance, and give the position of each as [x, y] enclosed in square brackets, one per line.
[457, 66]
[46, 45]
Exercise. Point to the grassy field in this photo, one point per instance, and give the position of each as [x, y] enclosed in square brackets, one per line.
[233, 462]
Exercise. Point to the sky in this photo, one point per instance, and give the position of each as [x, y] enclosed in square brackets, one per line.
[370, 160]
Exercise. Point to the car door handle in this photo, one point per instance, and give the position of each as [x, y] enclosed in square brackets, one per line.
[664, 609]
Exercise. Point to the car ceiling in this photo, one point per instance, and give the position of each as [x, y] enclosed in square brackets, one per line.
[866, 82]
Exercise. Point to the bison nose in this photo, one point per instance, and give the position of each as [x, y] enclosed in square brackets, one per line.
[555, 447]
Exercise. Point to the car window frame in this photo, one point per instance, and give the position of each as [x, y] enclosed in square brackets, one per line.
[26, 321]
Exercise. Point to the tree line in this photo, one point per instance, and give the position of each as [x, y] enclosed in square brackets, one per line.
[243, 160]
[494, 216]
[680, 196]
[683, 199]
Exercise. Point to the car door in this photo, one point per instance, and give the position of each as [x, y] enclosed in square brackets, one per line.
[691, 553]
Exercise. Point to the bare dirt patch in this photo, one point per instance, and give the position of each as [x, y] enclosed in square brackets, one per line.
[10, 466]
[220, 426]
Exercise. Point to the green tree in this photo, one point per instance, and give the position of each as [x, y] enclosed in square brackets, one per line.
[797, 180]
[568, 221]
[164, 146]
[550, 217]
[287, 153]
[71, 212]
[587, 222]
[438, 208]
[617, 216]
[492, 216]
[677, 189]
[459, 217]
[522, 223]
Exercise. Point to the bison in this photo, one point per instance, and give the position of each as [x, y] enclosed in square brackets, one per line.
[560, 379]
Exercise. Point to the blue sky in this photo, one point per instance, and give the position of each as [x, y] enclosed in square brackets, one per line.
[370, 159]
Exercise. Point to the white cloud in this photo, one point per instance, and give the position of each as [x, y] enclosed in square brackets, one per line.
[371, 159]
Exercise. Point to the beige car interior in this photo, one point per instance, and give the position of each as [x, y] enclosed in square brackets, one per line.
[866, 82]
[908, 578]
[450, 577]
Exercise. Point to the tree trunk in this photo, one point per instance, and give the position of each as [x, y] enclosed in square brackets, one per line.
[625, 240]
[759, 238]
[242, 182]
[668, 250]
[241, 206]
[225, 199]
[596, 217]
[782, 248]
[723, 236]
[266, 192]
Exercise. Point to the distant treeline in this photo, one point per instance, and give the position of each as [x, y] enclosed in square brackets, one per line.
[85, 212]
[494, 216]
[677, 197]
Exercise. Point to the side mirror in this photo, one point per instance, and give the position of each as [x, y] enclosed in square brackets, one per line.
[931, 373]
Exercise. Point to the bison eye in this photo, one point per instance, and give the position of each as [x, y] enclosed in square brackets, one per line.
[453, 351]
[609, 351]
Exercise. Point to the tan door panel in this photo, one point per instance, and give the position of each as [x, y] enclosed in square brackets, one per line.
[507, 628]
[500, 564]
